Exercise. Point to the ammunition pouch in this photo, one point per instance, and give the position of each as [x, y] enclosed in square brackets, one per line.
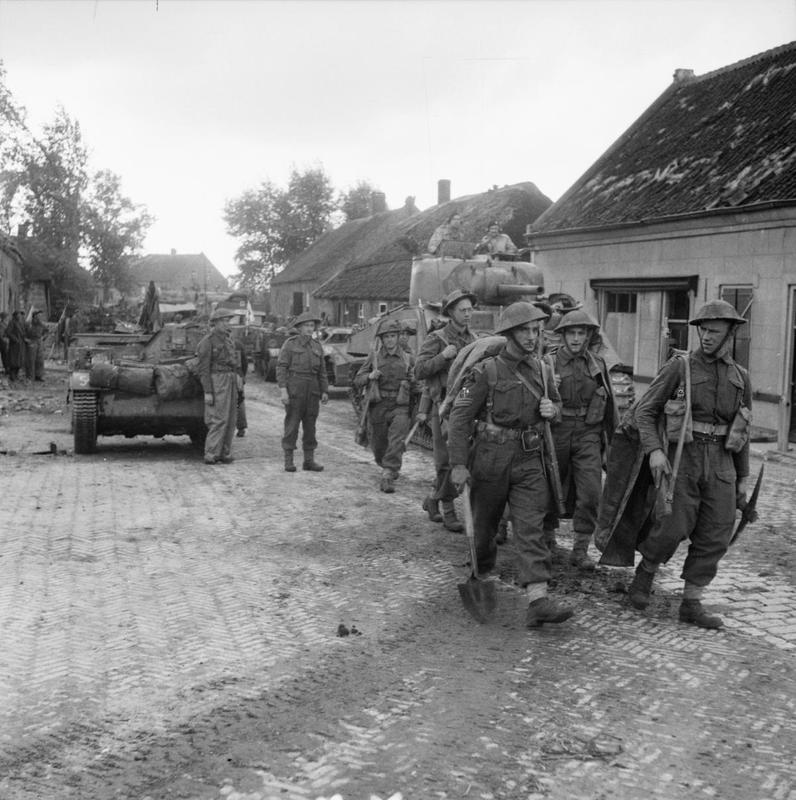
[675, 415]
[403, 398]
[738, 433]
[596, 410]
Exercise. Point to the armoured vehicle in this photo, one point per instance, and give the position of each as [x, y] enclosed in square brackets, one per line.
[138, 385]
[496, 282]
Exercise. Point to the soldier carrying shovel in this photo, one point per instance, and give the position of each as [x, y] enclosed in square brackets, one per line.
[503, 405]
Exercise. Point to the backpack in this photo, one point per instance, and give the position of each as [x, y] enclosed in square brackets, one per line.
[462, 367]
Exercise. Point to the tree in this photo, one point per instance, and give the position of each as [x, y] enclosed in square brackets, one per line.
[357, 202]
[113, 230]
[276, 224]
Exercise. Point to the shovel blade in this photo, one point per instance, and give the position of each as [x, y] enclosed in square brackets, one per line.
[479, 598]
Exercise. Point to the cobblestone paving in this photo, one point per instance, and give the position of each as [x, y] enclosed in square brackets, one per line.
[170, 630]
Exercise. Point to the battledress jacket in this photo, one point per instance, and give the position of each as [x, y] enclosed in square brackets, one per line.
[718, 388]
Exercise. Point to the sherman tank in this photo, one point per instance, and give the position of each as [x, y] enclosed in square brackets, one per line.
[496, 281]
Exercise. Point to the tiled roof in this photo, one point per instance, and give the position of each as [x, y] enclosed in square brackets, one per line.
[382, 270]
[178, 271]
[726, 139]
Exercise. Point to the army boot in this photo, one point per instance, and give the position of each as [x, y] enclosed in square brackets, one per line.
[449, 518]
[641, 587]
[387, 484]
[431, 507]
[579, 557]
[289, 465]
[310, 464]
[691, 611]
[545, 609]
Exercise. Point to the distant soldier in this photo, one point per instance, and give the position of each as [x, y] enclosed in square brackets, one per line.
[303, 385]
[35, 333]
[501, 408]
[496, 243]
[588, 420]
[218, 367]
[241, 423]
[389, 369]
[449, 231]
[433, 362]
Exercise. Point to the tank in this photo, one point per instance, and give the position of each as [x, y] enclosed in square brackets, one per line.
[139, 388]
[495, 283]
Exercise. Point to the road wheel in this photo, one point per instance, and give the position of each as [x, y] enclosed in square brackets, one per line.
[84, 419]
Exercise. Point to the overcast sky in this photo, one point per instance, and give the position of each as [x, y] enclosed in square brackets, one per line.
[194, 101]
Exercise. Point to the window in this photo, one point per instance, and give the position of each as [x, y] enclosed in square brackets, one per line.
[741, 298]
[382, 308]
[360, 311]
[677, 310]
[620, 302]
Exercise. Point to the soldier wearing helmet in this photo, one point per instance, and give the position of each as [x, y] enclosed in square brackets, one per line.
[711, 474]
[388, 373]
[218, 363]
[588, 419]
[502, 405]
[432, 365]
[303, 385]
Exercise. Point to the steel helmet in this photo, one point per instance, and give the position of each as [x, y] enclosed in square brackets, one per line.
[576, 319]
[717, 309]
[222, 313]
[519, 313]
[388, 326]
[307, 316]
[454, 297]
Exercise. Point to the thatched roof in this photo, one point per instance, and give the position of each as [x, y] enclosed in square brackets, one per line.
[382, 270]
[726, 139]
[178, 271]
[338, 248]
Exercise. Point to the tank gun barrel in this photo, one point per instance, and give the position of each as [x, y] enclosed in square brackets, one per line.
[507, 291]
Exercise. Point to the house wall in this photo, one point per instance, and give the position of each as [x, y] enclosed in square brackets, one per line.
[756, 250]
[10, 280]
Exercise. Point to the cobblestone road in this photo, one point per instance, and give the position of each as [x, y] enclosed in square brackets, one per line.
[169, 629]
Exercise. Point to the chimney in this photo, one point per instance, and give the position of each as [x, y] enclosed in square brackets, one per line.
[173, 251]
[443, 191]
[683, 75]
[379, 201]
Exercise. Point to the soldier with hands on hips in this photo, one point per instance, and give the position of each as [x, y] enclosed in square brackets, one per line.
[303, 386]
[218, 363]
[502, 405]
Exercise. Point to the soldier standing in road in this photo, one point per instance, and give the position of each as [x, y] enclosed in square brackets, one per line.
[35, 332]
[303, 383]
[711, 479]
[218, 371]
[504, 398]
[16, 345]
[390, 369]
[433, 362]
[4, 322]
[588, 420]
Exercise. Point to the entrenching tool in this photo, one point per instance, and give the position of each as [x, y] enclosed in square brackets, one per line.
[479, 596]
[748, 512]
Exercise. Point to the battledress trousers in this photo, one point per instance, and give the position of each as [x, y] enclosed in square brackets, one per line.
[301, 370]
[704, 496]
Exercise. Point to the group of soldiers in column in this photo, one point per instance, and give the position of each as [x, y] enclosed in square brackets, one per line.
[695, 415]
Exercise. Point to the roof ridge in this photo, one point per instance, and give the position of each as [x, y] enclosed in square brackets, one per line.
[774, 51]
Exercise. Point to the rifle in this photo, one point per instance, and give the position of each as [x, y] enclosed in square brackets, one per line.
[550, 446]
[411, 433]
[748, 512]
[361, 435]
